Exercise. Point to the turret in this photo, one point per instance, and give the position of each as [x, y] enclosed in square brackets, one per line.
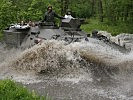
[71, 24]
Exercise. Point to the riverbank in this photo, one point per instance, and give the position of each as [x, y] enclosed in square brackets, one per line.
[114, 29]
[9, 90]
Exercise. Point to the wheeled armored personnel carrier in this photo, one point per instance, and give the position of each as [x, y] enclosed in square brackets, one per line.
[25, 35]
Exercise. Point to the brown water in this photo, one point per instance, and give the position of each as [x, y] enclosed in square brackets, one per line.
[78, 71]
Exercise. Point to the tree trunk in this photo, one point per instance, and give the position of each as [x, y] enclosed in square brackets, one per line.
[100, 11]
[64, 6]
[92, 7]
[126, 14]
[66, 3]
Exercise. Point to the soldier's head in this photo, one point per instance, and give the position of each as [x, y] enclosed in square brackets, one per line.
[49, 9]
[68, 12]
[94, 33]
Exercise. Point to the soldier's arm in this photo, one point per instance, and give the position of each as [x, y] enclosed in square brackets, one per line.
[60, 17]
[44, 17]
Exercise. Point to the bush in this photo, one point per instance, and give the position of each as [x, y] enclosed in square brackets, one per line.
[9, 90]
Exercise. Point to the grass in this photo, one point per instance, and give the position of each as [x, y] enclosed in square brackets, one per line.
[9, 90]
[114, 29]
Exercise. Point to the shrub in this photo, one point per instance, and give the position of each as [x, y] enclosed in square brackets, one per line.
[9, 90]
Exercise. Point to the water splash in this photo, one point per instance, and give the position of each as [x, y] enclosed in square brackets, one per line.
[55, 56]
[94, 63]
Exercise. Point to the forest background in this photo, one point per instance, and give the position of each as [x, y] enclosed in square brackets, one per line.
[115, 16]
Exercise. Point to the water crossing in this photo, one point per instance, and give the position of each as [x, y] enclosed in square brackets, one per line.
[78, 71]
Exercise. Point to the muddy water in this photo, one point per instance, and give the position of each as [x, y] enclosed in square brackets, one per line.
[78, 71]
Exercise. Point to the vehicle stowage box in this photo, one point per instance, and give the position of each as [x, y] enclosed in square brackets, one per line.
[14, 39]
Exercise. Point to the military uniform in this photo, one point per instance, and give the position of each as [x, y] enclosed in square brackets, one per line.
[49, 16]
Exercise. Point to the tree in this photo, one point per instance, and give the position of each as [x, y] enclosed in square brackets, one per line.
[7, 13]
[100, 10]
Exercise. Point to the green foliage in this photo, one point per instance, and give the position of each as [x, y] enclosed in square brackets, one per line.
[81, 8]
[38, 7]
[114, 11]
[95, 24]
[9, 90]
[7, 14]
[119, 10]
[13, 11]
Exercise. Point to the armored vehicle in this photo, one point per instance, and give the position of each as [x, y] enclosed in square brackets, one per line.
[26, 35]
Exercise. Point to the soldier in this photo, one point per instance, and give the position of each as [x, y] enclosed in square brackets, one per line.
[94, 34]
[50, 14]
[99, 36]
[68, 14]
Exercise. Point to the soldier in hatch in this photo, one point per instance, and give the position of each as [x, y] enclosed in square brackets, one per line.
[99, 36]
[68, 14]
[50, 15]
